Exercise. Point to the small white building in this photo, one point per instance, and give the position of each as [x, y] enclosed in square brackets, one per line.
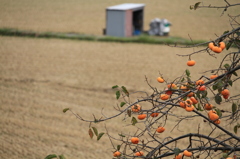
[124, 20]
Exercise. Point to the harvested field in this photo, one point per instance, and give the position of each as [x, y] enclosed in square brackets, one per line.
[40, 77]
[88, 17]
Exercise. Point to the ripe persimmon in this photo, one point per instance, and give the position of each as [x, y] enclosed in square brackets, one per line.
[190, 94]
[168, 92]
[217, 121]
[189, 108]
[194, 100]
[187, 153]
[191, 62]
[208, 106]
[142, 116]
[217, 49]
[117, 154]
[222, 45]
[213, 76]
[160, 79]
[226, 97]
[135, 140]
[201, 88]
[188, 102]
[160, 129]
[136, 108]
[182, 104]
[164, 96]
[199, 82]
[212, 114]
[179, 156]
[154, 114]
[184, 88]
[225, 92]
[211, 45]
[172, 86]
[139, 153]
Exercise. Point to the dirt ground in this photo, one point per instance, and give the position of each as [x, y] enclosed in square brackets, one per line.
[40, 77]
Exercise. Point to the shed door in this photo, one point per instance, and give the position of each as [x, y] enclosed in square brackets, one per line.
[115, 23]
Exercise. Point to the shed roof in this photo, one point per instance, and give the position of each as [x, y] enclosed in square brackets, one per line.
[126, 6]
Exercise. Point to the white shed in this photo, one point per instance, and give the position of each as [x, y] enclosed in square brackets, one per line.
[124, 20]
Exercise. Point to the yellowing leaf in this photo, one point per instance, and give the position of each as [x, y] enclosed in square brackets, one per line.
[90, 133]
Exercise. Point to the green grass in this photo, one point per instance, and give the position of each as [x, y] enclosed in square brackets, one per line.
[144, 38]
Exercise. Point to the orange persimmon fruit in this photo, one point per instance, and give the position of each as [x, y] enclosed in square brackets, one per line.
[160, 129]
[191, 62]
[222, 45]
[136, 108]
[189, 108]
[199, 82]
[117, 154]
[212, 115]
[225, 92]
[164, 96]
[135, 140]
[213, 76]
[154, 114]
[194, 100]
[187, 153]
[160, 79]
[217, 49]
[179, 156]
[208, 106]
[142, 116]
[139, 153]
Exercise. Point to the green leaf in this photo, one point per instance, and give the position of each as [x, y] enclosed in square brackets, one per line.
[234, 107]
[117, 94]
[122, 104]
[129, 112]
[235, 73]
[51, 156]
[218, 99]
[230, 82]
[187, 72]
[90, 133]
[235, 128]
[125, 91]
[95, 131]
[176, 151]
[118, 147]
[199, 107]
[219, 113]
[226, 65]
[204, 94]
[116, 86]
[65, 110]
[229, 44]
[134, 120]
[198, 94]
[182, 79]
[121, 135]
[196, 5]
[191, 7]
[215, 86]
[100, 135]
[61, 157]
[225, 32]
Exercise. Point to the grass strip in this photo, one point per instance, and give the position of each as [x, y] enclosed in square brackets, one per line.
[144, 38]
